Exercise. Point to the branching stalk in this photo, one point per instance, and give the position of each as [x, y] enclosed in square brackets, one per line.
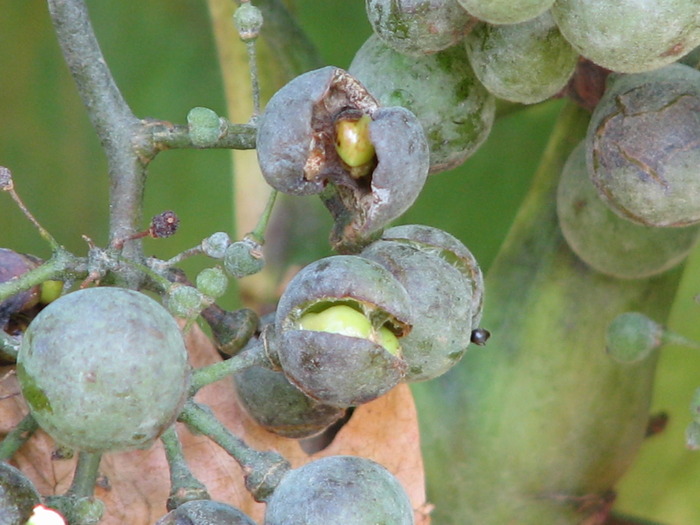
[263, 470]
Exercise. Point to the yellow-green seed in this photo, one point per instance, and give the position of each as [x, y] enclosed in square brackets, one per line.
[353, 142]
[344, 320]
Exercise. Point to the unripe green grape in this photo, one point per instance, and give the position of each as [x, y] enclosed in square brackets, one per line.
[244, 258]
[643, 146]
[632, 337]
[526, 62]
[630, 36]
[454, 108]
[418, 27]
[339, 489]
[605, 241]
[212, 282]
[204, 126]
[18, 496]
[104, 369]
[506, 11]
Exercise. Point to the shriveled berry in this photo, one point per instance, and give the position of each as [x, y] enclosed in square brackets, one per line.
[418, 27]
[205, 512]
[280, 407]
[643, 146]
[296, 145]
[104, 369]
[339, 489]
[164, 224]
[337, 369]
[607, 242]
[17, 495]
[454, 108]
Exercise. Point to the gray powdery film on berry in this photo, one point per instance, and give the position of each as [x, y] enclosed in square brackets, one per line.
[418, 27]
[104, 369]
[526, 62]
[643, 146]
[205, 512]
[441, 298]
[630, 36]
[18, 496]
[450, 249]
[454, 108]
[506, 11]
[339, 489]
[280, 407]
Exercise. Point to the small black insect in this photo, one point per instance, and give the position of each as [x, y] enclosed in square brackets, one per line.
[480, 336]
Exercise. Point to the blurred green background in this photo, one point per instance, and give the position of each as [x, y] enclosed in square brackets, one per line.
[163, 58]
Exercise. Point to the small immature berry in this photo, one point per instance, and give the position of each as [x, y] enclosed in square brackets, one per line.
[632, 337]
[248, 20]
[212, 282]
[204, 126]
[215, 245]
[243, 258]
[185, 301]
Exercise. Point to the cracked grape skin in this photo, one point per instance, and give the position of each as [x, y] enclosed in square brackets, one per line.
[608, 243]
[643, 146]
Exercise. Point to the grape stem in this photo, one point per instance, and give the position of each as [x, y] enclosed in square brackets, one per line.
[86, 471]
[14, 439]
[262, 470]
[183, 485]
[254, 354]
[56, 267]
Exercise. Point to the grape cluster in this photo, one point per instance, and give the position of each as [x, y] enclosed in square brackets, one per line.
[395, 304]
